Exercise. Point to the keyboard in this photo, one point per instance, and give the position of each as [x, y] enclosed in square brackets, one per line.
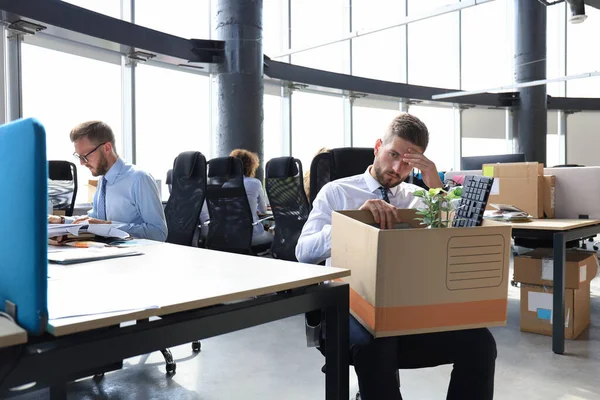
[474, 198]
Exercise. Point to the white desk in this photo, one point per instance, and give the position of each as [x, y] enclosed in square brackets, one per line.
[198, 293]
[11, 334]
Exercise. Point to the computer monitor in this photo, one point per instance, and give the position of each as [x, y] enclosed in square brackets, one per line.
[475, 163]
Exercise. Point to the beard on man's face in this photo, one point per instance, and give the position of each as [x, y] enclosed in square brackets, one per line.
[102, 167]
[387, 178]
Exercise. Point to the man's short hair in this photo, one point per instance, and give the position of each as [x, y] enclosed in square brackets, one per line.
[249, 160]
[409, 128]
[97, 132]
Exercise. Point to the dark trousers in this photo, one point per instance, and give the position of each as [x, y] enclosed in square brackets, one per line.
[472, 352]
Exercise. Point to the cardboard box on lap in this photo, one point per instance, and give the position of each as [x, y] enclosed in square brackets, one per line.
[418, 280]
[522, 185]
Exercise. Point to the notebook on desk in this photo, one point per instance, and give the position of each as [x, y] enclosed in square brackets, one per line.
[75, 255]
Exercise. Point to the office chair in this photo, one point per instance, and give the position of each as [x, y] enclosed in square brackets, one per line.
[230, 222]
[188, 181]
[338, 163]
[169, 181]
[289, 204]
[62, 185]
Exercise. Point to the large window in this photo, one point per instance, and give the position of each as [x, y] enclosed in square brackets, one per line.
[317, 121]
[111, 8]
[62, 90]
[370, 120]
[555, 48]
[433, 50]
[581, 39]
[309, 27]
[172, 116]
[483, 132]
[380, 55]
[583, 139]
[487, 46]
[440, 123]
[273, 17]
[185, 18]
[273, 128]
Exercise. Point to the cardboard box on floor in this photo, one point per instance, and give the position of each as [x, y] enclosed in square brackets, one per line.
[536, 309]
[417, 280]
[534, 270]
[522, 185]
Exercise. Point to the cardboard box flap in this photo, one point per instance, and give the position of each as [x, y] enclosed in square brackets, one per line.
[366, 217]
[576, 256]
[514, 170]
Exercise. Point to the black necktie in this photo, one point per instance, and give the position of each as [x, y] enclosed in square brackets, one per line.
[384, 194]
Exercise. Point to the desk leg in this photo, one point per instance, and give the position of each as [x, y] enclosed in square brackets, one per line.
[337, 349]
[558, 299]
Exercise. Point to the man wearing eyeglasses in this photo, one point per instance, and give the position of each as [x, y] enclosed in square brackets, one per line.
[125, 195]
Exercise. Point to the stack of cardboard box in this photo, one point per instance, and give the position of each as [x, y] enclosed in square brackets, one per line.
[534, 270]
[522, 185]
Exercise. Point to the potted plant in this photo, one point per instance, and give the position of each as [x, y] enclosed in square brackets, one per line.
[438, 206]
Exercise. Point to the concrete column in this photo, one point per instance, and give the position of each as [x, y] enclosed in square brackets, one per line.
[529, 118]
[240, 78]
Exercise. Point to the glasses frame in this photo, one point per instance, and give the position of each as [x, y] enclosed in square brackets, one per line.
[84, 157]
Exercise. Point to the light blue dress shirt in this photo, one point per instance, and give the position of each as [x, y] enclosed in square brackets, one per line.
[132, 199]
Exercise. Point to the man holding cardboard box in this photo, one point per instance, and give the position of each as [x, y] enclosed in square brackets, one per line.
[382, 190]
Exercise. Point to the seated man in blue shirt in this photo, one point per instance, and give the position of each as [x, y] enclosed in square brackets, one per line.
[381, 189]
[125, 195]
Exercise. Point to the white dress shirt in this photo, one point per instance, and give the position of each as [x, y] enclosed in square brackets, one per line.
[314, 244]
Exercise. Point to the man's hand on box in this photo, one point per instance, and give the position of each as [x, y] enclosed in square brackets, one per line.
[385, 214]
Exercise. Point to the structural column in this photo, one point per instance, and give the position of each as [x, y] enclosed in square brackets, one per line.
[530, 116]
[240, 78]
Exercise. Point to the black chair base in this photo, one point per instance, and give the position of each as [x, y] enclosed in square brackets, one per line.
[171, 366]
[196, 346]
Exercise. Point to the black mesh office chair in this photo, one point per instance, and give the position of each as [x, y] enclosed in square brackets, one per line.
[338, 163]
[289, 204]
[326, 167]
[230, 222]
[183, 212]
[62, 185]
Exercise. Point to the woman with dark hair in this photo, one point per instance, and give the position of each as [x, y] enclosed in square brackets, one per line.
[254, 191]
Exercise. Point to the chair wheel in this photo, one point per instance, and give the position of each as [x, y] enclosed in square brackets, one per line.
[171, 367]
[98, 377]
[196, 346]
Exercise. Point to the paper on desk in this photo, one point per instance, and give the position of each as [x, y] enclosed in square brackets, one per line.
[106, 230]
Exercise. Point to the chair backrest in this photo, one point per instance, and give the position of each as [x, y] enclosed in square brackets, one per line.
[289, 204]
[230, 226]
[169, 181]
[187, 197]
[62, 185]
[338, 163]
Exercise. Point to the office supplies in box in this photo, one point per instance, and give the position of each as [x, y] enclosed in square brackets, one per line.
[536, 309]
[417, 280]
[536, 268]
[522, 185]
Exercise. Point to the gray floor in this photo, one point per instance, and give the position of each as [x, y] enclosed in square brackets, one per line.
[272, 362]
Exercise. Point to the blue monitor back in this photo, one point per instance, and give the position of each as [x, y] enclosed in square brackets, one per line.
[24, 230]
